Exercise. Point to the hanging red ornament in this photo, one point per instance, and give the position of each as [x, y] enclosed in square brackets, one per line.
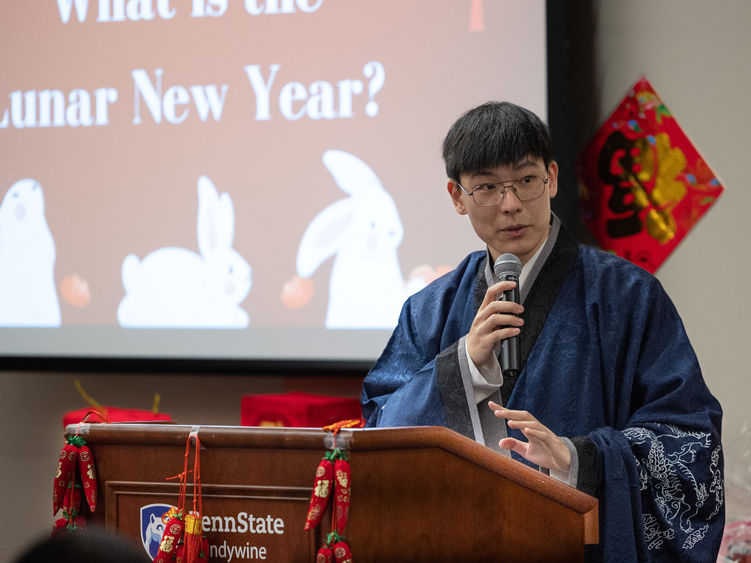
[643, 185]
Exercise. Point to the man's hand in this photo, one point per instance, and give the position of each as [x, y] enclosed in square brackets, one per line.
[495, 321]
[544, 448]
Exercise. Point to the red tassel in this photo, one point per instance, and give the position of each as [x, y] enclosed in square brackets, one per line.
[66, 472]
[342, 494]
[342, 553]
[204, 553]
[173, 533]
[72, 502]
[87, 473]
[64, 524]
[325, 555]
[196, 544]
[322, 487]
[180, 552]
[193, 537]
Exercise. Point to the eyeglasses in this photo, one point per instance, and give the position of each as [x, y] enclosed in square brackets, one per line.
[525, 189]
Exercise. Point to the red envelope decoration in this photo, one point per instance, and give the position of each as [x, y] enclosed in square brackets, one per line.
[643, 184]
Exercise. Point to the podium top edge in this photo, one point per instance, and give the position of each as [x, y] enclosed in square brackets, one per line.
[352, 440]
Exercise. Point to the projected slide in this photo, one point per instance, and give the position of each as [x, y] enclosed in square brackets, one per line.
[363, 232]
[175, 287]
[27, 259]
[238, 179]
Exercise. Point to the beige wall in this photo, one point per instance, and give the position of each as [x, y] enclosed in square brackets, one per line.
[695, 54]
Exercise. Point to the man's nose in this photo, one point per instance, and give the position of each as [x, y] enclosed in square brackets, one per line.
[510, 203]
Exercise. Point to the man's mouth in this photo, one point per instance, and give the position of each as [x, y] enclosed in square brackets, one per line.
[514, 230]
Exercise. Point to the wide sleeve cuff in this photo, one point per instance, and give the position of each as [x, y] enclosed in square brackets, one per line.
[486, 379]
[588, 480]
[569, 477]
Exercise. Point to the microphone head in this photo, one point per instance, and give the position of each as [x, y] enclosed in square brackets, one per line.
[507, 265]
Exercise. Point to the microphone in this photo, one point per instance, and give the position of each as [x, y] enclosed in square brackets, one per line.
[508, 267]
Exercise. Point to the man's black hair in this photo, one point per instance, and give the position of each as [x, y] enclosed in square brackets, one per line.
[495, 134]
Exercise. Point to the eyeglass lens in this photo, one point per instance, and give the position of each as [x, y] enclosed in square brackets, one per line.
[525, 189]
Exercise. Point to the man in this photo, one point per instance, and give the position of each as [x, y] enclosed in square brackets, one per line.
[609, 397]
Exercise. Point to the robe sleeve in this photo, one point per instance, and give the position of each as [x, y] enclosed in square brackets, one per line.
[418, 379]
[408, 387]
[661, 488]
[400, 375]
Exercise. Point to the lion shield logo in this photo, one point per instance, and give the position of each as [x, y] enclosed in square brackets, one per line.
[152, 527]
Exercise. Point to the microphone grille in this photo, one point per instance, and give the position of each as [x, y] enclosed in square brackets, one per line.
[507, 265]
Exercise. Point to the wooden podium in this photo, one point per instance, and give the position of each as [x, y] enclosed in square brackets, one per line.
[418, 494]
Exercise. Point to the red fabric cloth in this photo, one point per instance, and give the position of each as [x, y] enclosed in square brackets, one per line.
[297, 409]
[114, 414]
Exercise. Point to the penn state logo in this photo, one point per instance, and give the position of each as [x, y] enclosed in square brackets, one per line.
[152, 527]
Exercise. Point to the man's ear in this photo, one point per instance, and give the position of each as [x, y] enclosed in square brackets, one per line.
[457, 197]
[553, 178]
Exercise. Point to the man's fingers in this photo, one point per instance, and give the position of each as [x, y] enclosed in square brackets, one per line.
[525, 425]
[492, 318]
[495, 290]
[512, 444]
[503, 307]
[522, 420]
[503, 412]
[499, 321]
[535, 434]
[506, 320]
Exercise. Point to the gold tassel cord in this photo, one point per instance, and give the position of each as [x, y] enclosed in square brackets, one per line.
[89, 399]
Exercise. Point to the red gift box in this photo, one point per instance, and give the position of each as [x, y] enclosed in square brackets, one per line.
[297, 409]
[114, 414]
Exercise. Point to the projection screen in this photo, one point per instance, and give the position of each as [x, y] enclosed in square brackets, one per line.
[255, 180]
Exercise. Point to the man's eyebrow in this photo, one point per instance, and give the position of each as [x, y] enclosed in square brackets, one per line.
[524, 164]
[477, 173]
[518, 166]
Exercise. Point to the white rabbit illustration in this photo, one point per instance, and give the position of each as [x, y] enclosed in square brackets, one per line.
[28, 296]
[175, 287]
[366, 289]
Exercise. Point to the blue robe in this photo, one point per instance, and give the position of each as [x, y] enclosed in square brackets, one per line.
[604, 356]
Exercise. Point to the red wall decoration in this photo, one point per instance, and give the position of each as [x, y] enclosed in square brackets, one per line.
[643, 185]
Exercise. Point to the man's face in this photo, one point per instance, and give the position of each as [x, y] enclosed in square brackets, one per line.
[518, 227]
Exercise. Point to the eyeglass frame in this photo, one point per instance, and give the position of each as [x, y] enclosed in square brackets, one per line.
[504, 187]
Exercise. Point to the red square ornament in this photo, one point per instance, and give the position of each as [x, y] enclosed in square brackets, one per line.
[643, 184]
